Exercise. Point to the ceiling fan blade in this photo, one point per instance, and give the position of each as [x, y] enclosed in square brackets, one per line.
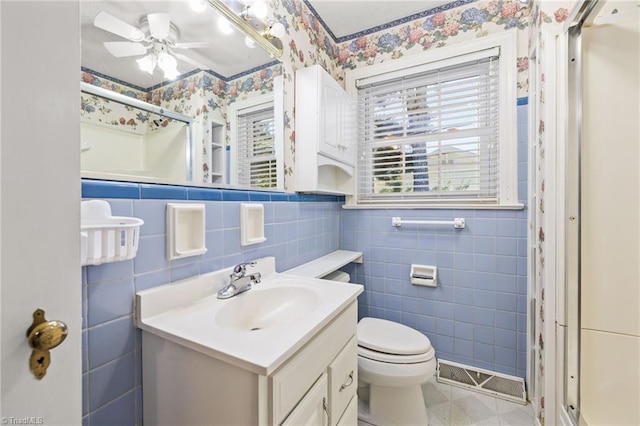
[190, 61]
[192, 45]
[121, 49]
[117, 26]
[159, 25]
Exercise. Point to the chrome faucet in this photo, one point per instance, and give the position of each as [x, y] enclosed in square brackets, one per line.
[239, 282]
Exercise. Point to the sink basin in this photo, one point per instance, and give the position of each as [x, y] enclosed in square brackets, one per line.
[258, 309]
[256, 330]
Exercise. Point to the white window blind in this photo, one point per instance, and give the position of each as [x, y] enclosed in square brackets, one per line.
[431, 134]
[257, 163]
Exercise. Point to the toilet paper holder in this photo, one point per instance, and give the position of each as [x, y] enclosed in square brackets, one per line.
[424, 275]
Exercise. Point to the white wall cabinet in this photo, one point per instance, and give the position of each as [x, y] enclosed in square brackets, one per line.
[315, 386]
[325, 134]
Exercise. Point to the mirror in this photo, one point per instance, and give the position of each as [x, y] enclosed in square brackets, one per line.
[159, 83]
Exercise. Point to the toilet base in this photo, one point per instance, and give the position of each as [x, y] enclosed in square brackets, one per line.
[394, 406]
[365, 418]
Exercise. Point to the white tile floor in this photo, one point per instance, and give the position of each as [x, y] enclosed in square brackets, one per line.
[453, 406]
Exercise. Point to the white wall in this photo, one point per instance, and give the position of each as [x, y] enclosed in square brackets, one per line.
[165, 152]
[111, 150]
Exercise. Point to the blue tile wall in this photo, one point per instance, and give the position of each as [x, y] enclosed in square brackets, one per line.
[298, 229]
[477, 314]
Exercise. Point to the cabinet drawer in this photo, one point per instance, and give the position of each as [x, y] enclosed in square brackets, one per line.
[343, 378]
[295, 378]
[350, 416]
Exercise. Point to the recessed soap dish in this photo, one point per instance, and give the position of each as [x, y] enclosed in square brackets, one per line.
[185, 230]
[251, 224]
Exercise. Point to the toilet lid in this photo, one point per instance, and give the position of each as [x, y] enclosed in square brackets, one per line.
[391, 337]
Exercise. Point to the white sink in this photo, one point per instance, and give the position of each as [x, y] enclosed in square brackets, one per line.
[258, 309]
[256, 330]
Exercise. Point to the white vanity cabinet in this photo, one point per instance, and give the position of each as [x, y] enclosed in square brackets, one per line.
[325, 134]
[314, 386]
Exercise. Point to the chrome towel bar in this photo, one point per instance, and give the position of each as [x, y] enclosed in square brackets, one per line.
[458, 222]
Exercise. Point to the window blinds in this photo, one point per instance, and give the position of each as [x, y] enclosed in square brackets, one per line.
[257, 164]
[431, 134]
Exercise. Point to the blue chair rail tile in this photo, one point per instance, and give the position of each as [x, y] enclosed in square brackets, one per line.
[204, 194]
[259, 196]
[168, 192]
[106, 189]
[231, 195]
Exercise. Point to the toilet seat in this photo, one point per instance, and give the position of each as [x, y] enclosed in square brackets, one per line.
[395, 359]
[381, 339]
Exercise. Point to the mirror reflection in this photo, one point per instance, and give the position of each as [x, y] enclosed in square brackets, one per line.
[167, 56]
[130, 140]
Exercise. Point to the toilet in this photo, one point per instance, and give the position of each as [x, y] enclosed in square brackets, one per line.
[393, 362]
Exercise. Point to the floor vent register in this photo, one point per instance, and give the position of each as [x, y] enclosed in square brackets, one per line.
[499, 385]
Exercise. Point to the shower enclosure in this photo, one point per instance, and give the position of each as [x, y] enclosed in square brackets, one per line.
[598, 278]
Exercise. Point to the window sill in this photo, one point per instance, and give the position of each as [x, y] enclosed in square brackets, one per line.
[516, 206]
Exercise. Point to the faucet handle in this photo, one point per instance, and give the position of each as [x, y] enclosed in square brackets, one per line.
[240, 269]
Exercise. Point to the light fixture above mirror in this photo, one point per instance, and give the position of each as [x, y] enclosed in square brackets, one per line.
[255, 12]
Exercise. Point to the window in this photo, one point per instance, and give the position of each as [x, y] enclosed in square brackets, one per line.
[256, 162]
[438, 132]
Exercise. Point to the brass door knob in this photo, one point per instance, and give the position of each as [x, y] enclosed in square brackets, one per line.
[43, 336]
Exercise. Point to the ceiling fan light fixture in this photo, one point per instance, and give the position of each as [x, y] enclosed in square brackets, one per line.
[147, 63]
[169, 65]
[166, 61]
[171, 73]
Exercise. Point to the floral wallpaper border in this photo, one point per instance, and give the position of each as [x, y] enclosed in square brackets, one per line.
[378, 28]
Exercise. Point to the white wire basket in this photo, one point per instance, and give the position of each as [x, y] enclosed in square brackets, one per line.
[105, 238]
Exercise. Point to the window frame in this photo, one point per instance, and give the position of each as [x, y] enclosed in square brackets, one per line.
[439, 58]
[255, 103]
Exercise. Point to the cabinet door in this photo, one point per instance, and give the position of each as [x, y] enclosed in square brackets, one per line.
[350, 416]
[343, 378]
[312, 410]
[330, 110]
[348, 129]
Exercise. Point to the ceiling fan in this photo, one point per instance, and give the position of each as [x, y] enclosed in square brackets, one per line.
[156, 38]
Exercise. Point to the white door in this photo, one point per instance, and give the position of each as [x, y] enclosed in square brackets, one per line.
[40, 206]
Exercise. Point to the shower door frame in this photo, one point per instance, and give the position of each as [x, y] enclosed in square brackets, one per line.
[569, 117]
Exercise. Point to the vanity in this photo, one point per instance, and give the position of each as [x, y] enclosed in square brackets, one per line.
[282, 353]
